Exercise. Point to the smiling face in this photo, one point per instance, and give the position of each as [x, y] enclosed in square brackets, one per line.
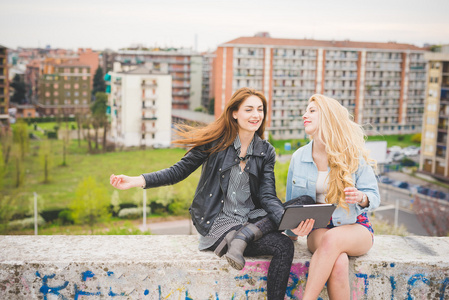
[311, 119]
[250, 114]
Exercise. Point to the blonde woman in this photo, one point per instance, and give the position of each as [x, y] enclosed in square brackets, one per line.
[334, 168]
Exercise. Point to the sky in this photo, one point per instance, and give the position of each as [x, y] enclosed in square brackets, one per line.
[203, 25]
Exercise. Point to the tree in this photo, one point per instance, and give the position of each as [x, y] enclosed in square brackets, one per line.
[20, 137]
[19, 87]
[91, 203]
[99, 117]
[212, 106]
[99, 85]
[45, 159]
[6, 142]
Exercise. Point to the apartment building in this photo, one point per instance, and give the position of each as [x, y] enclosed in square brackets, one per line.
[381, 84]
[434, 157]
[183, 65]
[4, 88]
[44, 62]
[207, 91]
[140, 102]
[64, 89]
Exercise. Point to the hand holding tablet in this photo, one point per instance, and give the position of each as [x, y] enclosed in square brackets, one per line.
[295, 214]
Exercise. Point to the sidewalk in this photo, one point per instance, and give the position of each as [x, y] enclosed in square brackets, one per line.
[178, 227]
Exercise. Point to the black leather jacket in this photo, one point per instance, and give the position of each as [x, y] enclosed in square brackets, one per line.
[213, 185]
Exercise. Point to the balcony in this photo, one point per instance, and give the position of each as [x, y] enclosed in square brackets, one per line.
[149, 84]
[149, 118]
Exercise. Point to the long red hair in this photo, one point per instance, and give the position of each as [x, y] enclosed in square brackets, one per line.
[223, 130]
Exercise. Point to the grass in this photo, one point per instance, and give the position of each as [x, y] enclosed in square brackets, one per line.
[403, 140]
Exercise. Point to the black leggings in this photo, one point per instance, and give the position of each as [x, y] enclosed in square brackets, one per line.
[275, 244]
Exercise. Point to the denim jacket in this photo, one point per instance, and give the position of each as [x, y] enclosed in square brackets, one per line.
[302, 176]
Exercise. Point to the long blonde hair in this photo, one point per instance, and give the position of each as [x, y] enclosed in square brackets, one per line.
[223, 130]
[344, 142]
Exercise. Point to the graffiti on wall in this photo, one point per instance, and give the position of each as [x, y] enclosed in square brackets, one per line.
[255, 273]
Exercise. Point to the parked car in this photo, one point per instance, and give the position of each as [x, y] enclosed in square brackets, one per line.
[394, 149]
[423, 190]
[411, 151]
[398, 156]
[401, 184]
[385, 179]
[437, 194]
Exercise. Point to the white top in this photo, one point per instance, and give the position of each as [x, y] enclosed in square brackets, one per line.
[321, 187]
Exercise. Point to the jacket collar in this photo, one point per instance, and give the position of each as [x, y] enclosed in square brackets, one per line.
[307, 153]
[231, 157]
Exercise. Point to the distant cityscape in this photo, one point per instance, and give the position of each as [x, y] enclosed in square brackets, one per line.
[390, 88]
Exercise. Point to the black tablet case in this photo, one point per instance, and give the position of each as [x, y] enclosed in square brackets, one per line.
[294, 214]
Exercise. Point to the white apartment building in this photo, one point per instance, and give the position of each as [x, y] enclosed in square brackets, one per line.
[381, 84]
[140, 101]
[184, 65]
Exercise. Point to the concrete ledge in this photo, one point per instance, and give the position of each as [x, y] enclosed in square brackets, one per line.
[171, 267]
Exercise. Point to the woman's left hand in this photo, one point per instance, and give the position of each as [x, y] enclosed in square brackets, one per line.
[353, 195]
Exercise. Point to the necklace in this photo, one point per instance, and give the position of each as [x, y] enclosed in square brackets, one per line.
[244, 158]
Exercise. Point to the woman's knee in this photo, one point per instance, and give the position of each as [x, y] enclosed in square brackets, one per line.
[340, 269]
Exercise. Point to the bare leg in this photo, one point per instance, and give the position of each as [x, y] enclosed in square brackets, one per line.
[327, 245]
[338, 283]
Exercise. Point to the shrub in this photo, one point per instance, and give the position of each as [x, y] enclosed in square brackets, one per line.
[127, 205]
[52, 135]
[132, 213]
[25, 223]
[66, 217]
[416, 138]
[51, 214]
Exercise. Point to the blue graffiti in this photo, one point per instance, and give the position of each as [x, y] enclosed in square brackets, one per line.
[413, 280]
[393, 286]
[444, 284]
[45, 289]
[412, 283]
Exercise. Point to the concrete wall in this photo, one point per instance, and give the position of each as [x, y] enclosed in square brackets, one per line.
[171, 267]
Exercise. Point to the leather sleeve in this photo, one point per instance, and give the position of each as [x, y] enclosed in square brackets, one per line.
[179, 171]
[267, 193]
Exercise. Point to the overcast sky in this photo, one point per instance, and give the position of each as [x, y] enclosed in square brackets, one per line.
[116, 24]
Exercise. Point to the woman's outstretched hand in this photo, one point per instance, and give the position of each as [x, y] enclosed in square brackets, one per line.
[123, 182]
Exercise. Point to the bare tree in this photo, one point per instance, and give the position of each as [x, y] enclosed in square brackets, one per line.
[432, 213]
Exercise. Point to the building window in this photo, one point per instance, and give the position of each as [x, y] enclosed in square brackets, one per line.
[76, 86]
[55, 86]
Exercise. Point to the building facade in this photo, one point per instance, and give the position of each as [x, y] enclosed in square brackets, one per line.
[184, 66]
[4, 88]
[381, 84]
[140, 106]
[207, 92]
[64, 89]
[434, 157]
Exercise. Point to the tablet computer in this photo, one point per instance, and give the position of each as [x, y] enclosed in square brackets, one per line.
[295, 214]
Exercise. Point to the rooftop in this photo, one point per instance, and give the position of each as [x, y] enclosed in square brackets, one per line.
[317, 43]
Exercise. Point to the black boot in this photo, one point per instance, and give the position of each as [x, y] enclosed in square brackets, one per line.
[246, 234]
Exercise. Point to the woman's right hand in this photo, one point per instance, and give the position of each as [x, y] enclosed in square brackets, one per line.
[123, 182]
[304, 228]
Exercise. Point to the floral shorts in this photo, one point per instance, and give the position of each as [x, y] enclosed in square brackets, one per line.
[362, 219]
